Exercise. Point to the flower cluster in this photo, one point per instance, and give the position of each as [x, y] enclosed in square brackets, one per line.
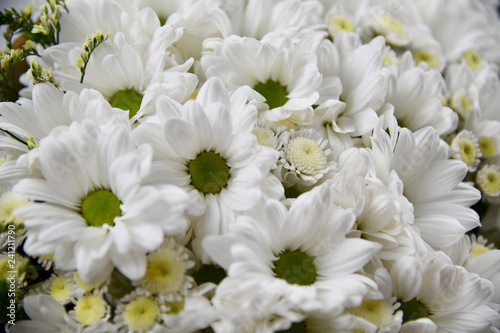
[252, 166]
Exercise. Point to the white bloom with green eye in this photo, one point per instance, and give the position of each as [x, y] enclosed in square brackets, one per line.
[90, 208]
[280, 68]
[206, 146]
[301, 254]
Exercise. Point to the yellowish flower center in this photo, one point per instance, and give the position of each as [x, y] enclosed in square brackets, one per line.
[306, 156]
[467, 150]
[7, 205]
[285, 122]
[339, 22]
[394, 32]
[377, 312]
[490, 179]
[60, 289]
[488, 146]
[101, 207]
[84, 286]
[472, 58]
[90, 309]
[266, 137]
[443, 100]
[165, 271]
[426, 56]
[477, 249]
[142, 313]
[461, 104]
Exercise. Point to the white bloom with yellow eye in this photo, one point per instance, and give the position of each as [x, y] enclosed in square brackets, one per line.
[103, 217]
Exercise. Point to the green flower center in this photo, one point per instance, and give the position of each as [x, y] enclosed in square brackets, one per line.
[209, 172]
[128, 99]
[413, 310]
[426, 56]
[273, 92]
[101, 207]
[295, 267]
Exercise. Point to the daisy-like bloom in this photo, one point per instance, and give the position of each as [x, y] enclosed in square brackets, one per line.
[46, 315]
[93, 312]
[304, 158]
[282, 70]
[415, 92]
[432, 183]
[437, 295]
[266, 135]
[103, 217]
[488, 181]
[138, 313]
[166, 270]
[206, 146]
[255, 18]
[465, 147]
[129, 75]
[355, 83]
[313, 269]
[29, 121]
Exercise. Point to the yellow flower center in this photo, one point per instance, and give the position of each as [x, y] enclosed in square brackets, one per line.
[84, 286]
[7, 205]
[165, 271]
[393, 31]
[339, 22]
[461, 104]
[426, 56]
[488, 146]
[378, 312]
[266, 137]
[306, 156]
[472, 58]
[90, 309]
[490, 179]
[467, 150]
[477, 249]
[60, 289]
[142, 313]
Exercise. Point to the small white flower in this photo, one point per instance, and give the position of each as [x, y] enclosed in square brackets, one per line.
[465, 147]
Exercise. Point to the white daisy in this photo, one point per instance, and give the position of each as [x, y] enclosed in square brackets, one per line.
[207, 147]
[283, 71]
[488, 181]
[435, 294]
[103, 217]
[465, 147]
[314, 269]
[432, 183]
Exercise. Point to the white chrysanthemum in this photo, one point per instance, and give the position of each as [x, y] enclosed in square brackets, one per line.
[465, 147]
[312, 268]
[255, 18]
[282, 71]
[432, 183]
[435, 294]
[304, 158]
[92, 311]
[29, 121]
[129, 75]
[207, 147]
[90, 208]
[415, 92]
[138, 313]
[47, 316]
[356, 84]
[488, 181]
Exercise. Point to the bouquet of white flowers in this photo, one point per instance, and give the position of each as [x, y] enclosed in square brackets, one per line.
[251, 166]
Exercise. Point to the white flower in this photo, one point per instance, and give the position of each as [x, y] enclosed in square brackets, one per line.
[301, 254]
[47, 316]
[465, 147]
[207, 147]
[282, 70]
[90, 208]
[356, 83]
[431, 288]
